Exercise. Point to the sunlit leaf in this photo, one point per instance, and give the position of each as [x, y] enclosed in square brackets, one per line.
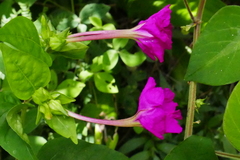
[15, 121]
[215, 57]
[70, 88]
[231, 120]
[65, 126]
[26, 64]
[132, 60]
[105, 82]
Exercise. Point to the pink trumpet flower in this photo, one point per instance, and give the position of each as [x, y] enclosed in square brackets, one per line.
[156, 112]
[153, 35]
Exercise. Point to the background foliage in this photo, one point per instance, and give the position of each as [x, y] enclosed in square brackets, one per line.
[41, 74]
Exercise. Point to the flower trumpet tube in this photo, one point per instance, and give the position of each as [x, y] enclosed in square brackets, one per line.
[153, 35]
[156, 112]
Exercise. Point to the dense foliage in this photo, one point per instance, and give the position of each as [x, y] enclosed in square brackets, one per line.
[43, 76]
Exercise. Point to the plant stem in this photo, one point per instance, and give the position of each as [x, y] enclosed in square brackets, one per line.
[189, 10]
[227, 155]
[72, 6]
[193, 85]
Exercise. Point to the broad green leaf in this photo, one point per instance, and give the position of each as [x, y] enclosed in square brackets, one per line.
[231, 119]
[93, 10]
[194, 147]
[15, 121]
[12, 143]
[26, 64]
[7, 101]
[63, 19]
[65, 126]
[24, 73]
[215, 56]
[110, 59]
[132, 60]
[105, 82]
[70, 88]
[64, 149]
[119, 43]
[97, 22]
[21, 33]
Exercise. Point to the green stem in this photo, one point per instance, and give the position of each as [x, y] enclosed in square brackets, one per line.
[189, 10]
[72, 6]
[227, 155]
[193, 85]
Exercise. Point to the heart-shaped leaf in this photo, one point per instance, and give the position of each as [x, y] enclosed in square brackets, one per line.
[231, 120]
[26, 64]
[216, 54]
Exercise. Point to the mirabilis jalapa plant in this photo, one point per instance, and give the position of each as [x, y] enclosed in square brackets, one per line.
[156, 112]
[153, 35]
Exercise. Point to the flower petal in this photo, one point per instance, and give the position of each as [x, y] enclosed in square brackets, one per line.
[158, 25]
[151, 96]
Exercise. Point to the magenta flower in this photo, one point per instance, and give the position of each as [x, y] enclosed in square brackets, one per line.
[153, 35]
[156, 112]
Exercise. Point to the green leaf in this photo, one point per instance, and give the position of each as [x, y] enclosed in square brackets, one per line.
[7, 101]
[12, 143]
[194, 147]
[41, 95]
[29, 121]
[63, 149]
[97, 22]
[93, 10]
[62, 98]
[216, 53]
[15, 121]
[110, 59]
[231, 119]
[70, 88]
[21, 33]
[105, 82]
[26, 64]
[6, 7]
[65, 126]
[132, 60]
[75, 50]
[97, 64]
[119, 43]
[63, 19]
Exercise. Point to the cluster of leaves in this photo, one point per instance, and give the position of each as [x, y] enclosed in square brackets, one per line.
[42, 75]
